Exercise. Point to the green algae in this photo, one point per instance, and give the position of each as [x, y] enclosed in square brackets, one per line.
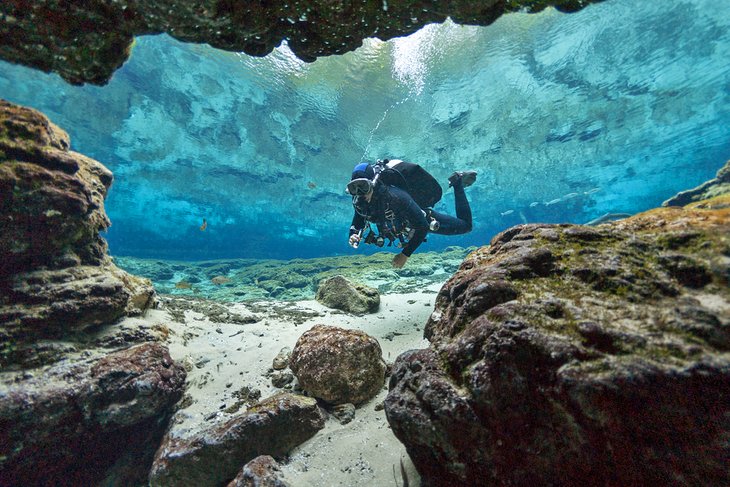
[626, 299]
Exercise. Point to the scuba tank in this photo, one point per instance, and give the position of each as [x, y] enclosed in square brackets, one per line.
[411, 178]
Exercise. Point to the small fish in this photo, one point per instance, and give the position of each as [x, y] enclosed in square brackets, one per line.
[311, 185]
[552, 202]
[570, 195]
[204, 225]
[508, 212]
[218, 280]
[534, 204]
[183, 285]
[591, 191]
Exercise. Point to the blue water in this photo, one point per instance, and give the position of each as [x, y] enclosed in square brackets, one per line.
[566, 118]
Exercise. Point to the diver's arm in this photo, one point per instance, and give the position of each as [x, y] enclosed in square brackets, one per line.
[409, 210]
[358, 223]
[356, 228]
[418, 237]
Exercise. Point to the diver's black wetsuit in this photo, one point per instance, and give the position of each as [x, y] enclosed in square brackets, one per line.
[408, 214]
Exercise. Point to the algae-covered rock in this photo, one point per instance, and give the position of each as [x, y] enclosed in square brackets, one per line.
[339, 293]
[56, 278]
[213, 457]
[563, 354]
[719, 185]
[337, 365]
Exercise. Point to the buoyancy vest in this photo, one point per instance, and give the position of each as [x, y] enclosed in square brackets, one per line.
[411, 178]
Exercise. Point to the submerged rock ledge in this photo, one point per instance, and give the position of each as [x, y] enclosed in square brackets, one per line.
[86, 42]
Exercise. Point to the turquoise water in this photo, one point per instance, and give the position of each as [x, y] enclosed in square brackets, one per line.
[566, 117]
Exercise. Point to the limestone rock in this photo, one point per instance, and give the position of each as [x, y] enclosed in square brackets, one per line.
[281, 361]
[272, 427]
[87, 42]
[339, 293]
[563, 354]
[338, 365]
[108, 411]
[55, 275]
[714, 187]
[52, 199]
[262, 471]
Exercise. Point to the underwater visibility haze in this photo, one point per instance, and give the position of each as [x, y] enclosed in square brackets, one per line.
[566, 117]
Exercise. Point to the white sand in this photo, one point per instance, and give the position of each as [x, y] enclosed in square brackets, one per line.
[224, 357]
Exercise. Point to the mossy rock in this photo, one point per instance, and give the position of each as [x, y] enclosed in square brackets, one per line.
[339, 293]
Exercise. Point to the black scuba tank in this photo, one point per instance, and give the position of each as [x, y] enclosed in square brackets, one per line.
[411, 178]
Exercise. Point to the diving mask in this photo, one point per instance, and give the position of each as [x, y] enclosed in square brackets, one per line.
[359, 186]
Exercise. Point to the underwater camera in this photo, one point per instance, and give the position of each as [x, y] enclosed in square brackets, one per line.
[374, 239]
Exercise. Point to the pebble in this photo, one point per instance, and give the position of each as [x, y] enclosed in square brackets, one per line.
[281, 361]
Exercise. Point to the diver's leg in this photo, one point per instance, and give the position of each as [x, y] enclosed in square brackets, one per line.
[462, 223]
[463, 210]
[449, 225]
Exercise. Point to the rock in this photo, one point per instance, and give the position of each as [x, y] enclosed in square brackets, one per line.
[720, 185]
[262, 471]
[213, 457]
[56, 278]
[56, 303]
[219, 280]
[344, 412]
[109, 412]
[52, 199]
[87, 43]
[339, 293]
[338, 365]
[67, 400]
[281, 361]
[280, 378]
[599, 354]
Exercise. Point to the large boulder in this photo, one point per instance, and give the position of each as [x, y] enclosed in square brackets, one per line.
[215, 456]
[56, 278]
[570, 355]
[89, 421]
[87, 41]
[338, 366]
[339, 293]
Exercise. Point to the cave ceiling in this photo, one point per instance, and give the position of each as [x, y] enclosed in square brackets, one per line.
[85, 42]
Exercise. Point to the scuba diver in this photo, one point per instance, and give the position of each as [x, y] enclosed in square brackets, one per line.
[397, 197]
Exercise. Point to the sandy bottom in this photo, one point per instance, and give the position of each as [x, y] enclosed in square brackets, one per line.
[226, 359]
